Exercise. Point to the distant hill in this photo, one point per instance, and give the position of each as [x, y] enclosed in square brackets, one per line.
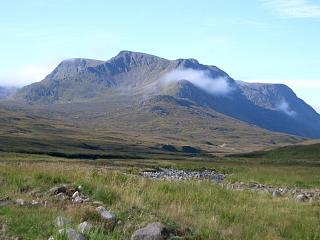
[131, 78]
[7, 92]
[301, 152]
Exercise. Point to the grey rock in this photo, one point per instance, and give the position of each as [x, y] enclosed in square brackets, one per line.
[105, 214]
[74, 235]
[4, 201]
[153, 231]
[57, 190]
[302, 198]
[78, 200]
[85, 227]
[276, 194]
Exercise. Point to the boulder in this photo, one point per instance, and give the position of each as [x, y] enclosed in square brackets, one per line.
[85, 227]
[153, 231]
[276, 194]
[57, 190]
[105, 214]
[74, 235]
[302, 198]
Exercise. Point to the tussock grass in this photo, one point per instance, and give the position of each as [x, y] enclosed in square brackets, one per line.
[208, 210]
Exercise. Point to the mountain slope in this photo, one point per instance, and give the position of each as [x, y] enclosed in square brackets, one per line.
[7, 92]
[130, 78]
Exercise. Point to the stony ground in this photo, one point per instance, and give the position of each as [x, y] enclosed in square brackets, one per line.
[299, 194]
[171, 200]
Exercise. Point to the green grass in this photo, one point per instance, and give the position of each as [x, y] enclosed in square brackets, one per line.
[306, 152]
[210, 211]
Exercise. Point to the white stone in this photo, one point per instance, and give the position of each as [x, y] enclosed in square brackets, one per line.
[20, 202]
[75, 194]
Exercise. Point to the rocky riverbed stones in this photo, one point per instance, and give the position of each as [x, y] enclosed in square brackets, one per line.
[300, 195]
[176, 174]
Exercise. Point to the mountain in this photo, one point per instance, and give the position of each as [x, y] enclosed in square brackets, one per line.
[7, 92]
[133, 79]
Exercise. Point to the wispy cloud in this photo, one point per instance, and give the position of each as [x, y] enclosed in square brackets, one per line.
[202, 79]
[284, 107]
[294, 8]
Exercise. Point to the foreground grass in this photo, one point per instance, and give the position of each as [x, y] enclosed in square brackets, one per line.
[209, 211]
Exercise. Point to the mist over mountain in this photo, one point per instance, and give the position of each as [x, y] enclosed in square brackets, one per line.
[132, 79]
[7, 92]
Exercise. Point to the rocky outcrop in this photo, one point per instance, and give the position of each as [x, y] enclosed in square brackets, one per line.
[153, 231]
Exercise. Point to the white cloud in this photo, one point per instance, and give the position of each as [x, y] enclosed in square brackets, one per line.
[26, 75]
[294, 8]
[284, 107]
[201, 79]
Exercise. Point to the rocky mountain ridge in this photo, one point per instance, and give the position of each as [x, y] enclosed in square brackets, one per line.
[132, 78]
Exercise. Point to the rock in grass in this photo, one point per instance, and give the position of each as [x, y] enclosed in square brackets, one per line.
[276, 194]
[78, 199]
[74, 235]
[302, 198]
[35, 202]
[4, 201]
[85, 227]
[75, 194]
[153, 231]
[51, 238]
[57, 190]
[20, 202]
[61, 222]
[105, 214]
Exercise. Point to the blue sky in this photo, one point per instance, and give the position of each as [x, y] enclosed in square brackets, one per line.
[252, 40]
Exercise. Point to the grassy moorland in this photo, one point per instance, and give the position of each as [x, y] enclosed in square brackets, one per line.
[200, 210]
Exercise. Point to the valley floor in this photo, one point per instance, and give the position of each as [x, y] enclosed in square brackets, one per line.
[191, 209]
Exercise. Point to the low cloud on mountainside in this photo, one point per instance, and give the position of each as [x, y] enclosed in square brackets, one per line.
[215, 86]
[284, 107]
